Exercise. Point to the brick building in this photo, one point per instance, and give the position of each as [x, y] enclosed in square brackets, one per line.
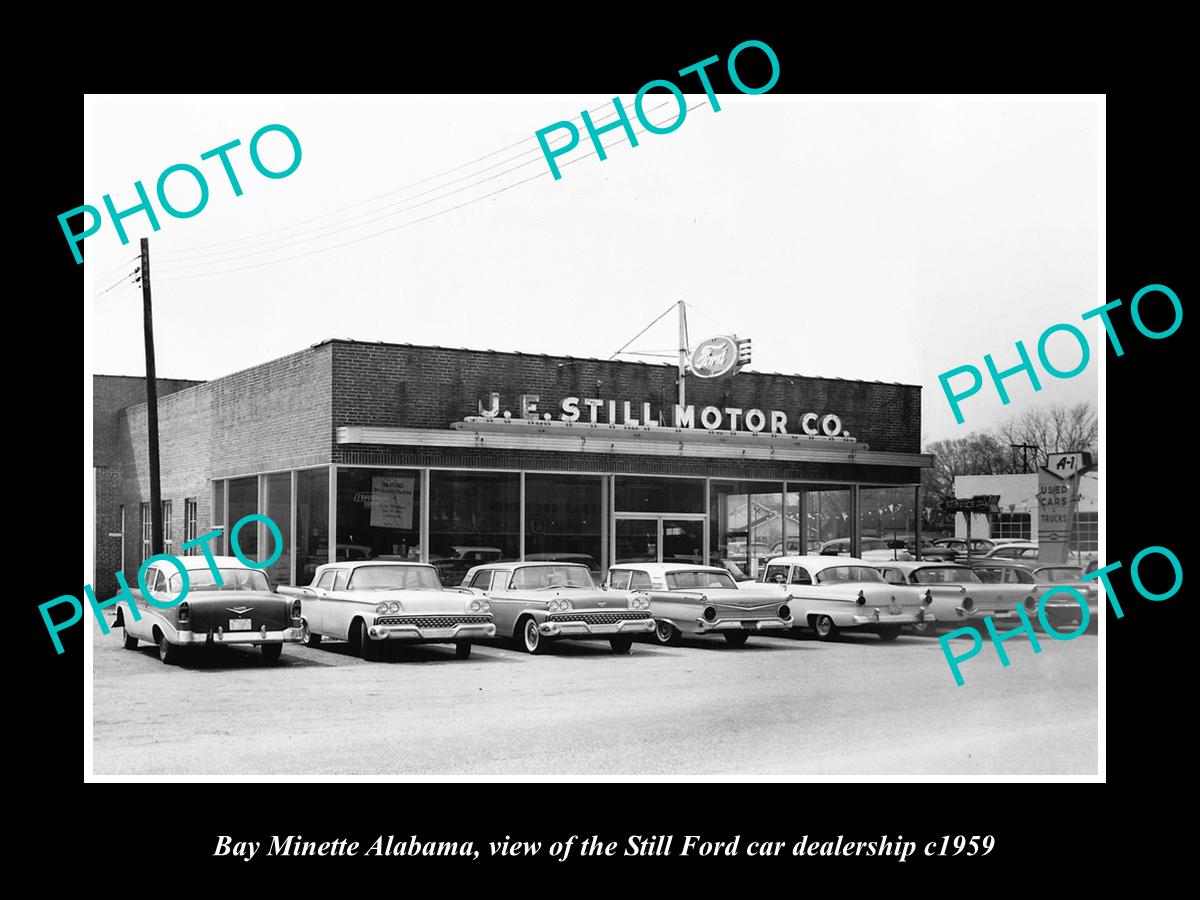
[452, 456]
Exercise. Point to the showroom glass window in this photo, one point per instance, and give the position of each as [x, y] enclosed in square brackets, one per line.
[745, 524]
[278, 506]
[563, 519]
[243, 501]
[474, 518]
[312, 522]
[378, 514]
[644, 494]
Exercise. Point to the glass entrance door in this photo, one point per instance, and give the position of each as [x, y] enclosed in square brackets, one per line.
[659, 539]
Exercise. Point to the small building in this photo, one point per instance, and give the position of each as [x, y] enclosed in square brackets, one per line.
[1018, 515]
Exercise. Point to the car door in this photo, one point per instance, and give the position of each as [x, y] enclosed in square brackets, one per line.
[315, 608]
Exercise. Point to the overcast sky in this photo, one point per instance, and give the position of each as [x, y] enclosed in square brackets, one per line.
[884, 241]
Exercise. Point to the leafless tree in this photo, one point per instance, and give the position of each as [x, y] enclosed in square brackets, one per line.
[1054, 429]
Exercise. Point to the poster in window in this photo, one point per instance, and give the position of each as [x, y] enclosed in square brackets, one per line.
[392, 501]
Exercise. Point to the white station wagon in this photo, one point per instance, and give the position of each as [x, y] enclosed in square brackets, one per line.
[829, 593]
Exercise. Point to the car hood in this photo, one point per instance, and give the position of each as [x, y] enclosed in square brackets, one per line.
[580, 599]
[414, 602]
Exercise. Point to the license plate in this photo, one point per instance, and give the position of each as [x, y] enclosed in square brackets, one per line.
[894, 610]
[750, 625]
[240, 625]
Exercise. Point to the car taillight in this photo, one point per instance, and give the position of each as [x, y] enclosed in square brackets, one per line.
[1030, 603]
[928, 598]
[968, 603]
[710, 613]
[785, 612]
[185, 612]
[861, 600]
[296, 608]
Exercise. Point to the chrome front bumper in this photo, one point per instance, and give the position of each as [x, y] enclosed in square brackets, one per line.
[880, 616]
[772, 624]
[261, 636]
[575, 629]
[459, 632]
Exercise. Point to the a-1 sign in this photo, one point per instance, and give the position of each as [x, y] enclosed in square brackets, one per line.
[1065, 465]
[980, 503]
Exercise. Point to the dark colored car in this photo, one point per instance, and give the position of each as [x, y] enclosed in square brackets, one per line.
[242, 609]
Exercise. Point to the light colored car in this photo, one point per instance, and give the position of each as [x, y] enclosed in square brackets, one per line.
[242, 609]
[830, 593]
[1013, 550]
[869, 549]
[960, 597]
[535, 603]
[1034, 580]
[688, 599]
[369, 603]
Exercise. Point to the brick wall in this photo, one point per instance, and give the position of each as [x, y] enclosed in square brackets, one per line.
[430, 387]
[272, 416]
[110, 395]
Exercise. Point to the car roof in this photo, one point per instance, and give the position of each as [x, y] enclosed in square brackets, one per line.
[509, 565]
[364, 563]
[910, 565]
[191, 563]
[823, 562]
[664, 568]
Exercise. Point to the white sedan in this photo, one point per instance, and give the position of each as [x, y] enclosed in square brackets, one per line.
[831, 593]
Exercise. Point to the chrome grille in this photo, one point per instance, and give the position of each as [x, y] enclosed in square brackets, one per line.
[600, 618]
[433, 621]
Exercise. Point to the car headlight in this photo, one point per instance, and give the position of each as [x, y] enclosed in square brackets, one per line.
[564, 605]
[473, 606]
[553, 606]
[485, 606]
[381, 608]
[393, 607]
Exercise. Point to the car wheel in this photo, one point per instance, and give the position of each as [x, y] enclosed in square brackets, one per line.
[308, 637]
[371, 650]
[131, 643]
[889, 632]
[667, 634]
[462, 650]
[271, 653]
[824, 627]
[621, 644]
[922, 629]
[167, 651]
[531, 638]
[736, 638]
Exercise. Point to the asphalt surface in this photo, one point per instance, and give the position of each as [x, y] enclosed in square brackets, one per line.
[779, 708]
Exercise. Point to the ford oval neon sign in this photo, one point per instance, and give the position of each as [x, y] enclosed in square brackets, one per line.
[722, 355]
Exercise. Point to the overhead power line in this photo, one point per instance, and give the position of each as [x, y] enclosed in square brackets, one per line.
[359, 203]
[402, 225]
[339, 227]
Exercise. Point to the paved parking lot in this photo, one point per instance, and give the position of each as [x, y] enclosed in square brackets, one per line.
[778, 708]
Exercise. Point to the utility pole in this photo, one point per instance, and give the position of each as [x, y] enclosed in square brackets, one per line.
[156, 523]
[1024, 448]
[683, 349]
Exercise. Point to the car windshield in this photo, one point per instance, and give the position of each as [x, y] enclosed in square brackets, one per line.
[682, 581]
[1059, 574]
[235, 580]
[395, 578]
[947, 575]
[539, 578]
[847, 574]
